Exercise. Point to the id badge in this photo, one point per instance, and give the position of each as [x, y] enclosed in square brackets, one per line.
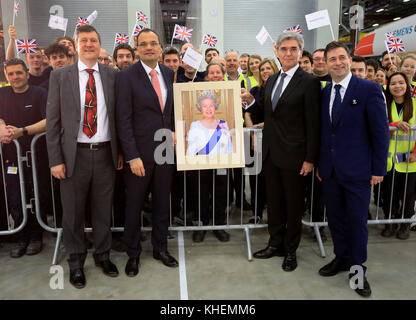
[11, 170]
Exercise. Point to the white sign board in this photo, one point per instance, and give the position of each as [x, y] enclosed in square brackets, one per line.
[317, 19]
[192, 58]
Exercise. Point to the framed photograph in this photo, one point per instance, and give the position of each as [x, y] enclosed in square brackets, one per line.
[208, 125]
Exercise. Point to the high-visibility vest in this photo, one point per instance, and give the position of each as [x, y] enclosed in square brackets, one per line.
[5, 85]
[323, 84]
[250, 82]
[240, 78]
[402, 142]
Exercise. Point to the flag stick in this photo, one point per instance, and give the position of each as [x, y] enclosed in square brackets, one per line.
[171, 42]
[14, 15]
[332, 31]
[114, 46]
[277, 59]
[388, 52]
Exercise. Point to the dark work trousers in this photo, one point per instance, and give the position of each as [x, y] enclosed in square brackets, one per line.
[236, 181]
[91, 185]
[258, 193]
[347, 210]
[211, 209]
[179, 189]
[159, 179]
[399, 192]
[285, 206]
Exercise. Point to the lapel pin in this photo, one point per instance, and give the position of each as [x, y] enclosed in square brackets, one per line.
[354, 102]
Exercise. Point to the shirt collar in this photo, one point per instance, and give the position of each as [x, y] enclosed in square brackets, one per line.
[83, 67]
[148, 69]
[344, 83]
[291, 71]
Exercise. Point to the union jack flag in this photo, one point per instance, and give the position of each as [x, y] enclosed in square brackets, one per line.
[395, 45]
[82, 22]
[26, 46]
[182, 33]
[296, 29]
[16, 7]
[137, 29]
[121, 38]
[413, 90]
[210, 40]
[389, 35]
[140, 16]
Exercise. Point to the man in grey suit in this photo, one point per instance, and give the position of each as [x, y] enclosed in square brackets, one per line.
[82, 148]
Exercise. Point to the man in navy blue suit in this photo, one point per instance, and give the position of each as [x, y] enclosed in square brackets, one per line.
[145, 106]
[353, 156]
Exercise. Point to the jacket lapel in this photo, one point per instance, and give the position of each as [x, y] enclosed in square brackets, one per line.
[326, 99]
[148, 84]
[74, 79]
[269, 90]
[168, 88]
[291, 85]
[104, 81]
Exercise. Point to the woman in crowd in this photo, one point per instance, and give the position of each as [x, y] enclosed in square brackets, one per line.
[209, 127]
[401, 111]
[252, 79]
[408, 67]
[254, 117]
[380, 77]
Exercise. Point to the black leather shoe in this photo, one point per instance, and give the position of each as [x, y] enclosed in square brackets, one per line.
[77, 278]
[290, 263]
[166, 258]
[332, 268]
[34, 247]
[19, 250]
[108, 267]
[132, 267]
[366, 290]
[387, 231]
[198, 236]
[269, 252]
[222, 235]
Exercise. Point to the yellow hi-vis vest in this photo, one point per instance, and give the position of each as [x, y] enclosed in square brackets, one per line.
[323, 84]
[250, 82]
[240, 78]
[402, 147]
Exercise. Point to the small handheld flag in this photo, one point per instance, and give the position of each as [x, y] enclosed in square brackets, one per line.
[140, 16]
[209, 40]
[26, 46]
[296, 29]
[15, 10]
[137, 29]
[182, 33]
[82, 22]
[395, 45]
[413, 90]
[121, 38]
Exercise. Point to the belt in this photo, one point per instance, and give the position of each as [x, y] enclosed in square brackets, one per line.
[94, 146]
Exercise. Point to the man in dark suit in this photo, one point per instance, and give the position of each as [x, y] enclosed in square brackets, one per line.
[290, 147]
[82, 149]
[353, 156]
[144, 107]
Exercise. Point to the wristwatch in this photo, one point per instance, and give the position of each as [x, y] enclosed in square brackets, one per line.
[24, 131]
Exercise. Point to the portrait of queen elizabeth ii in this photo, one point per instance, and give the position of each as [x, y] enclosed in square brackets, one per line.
[208, 135]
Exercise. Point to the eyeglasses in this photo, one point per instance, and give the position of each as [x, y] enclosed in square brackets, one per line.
[152, 44]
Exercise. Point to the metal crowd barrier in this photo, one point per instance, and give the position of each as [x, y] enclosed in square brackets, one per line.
[377, 221]
[12, 229]
[230, 225]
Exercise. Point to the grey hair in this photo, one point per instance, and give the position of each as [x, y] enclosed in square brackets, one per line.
[207, 94]
[290, 35]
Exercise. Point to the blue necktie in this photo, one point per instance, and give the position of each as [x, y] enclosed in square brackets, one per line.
[278, 91]
[336, 106]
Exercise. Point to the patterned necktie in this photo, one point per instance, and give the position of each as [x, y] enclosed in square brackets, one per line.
[336, 106]
[156, 86]
[90, 106]
[278, 91]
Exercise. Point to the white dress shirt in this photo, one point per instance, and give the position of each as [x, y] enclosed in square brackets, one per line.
[103, 128]
[289, 76]
[344, 85]
[161, 80]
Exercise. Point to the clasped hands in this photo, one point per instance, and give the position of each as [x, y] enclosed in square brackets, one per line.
[9, 133]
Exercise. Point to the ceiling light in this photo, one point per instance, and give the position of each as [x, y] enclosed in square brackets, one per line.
[395, 19]
[406, 0]
[375, 25]
[379, 10]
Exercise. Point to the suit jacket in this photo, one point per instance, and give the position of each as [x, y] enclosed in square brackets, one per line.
[291, 131]
[138, 112]
[356, 146]
[63, 114]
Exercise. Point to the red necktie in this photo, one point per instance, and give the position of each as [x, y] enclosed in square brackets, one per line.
[90, 106]
[156, 86]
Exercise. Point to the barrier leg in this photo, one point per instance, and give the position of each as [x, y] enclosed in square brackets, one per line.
[249, 253]
[319, 239]
[58, 242]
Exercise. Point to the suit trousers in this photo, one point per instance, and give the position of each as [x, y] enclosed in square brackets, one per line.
[285, 205]
[159, 179]
[347, 211]
[94, 174]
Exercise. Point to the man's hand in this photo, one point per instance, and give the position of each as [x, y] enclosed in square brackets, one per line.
[317, 175]
[246, 96]
[6, 134]
[376, 179]
[306, 168]
[392, 69]
[120, 162]
[12, 33]
[17, 132]
[137, 167]
[404, 126]
[59, 171]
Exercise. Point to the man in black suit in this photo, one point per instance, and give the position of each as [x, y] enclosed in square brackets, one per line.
[145, 106]
[82, 149]
[290, 147]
